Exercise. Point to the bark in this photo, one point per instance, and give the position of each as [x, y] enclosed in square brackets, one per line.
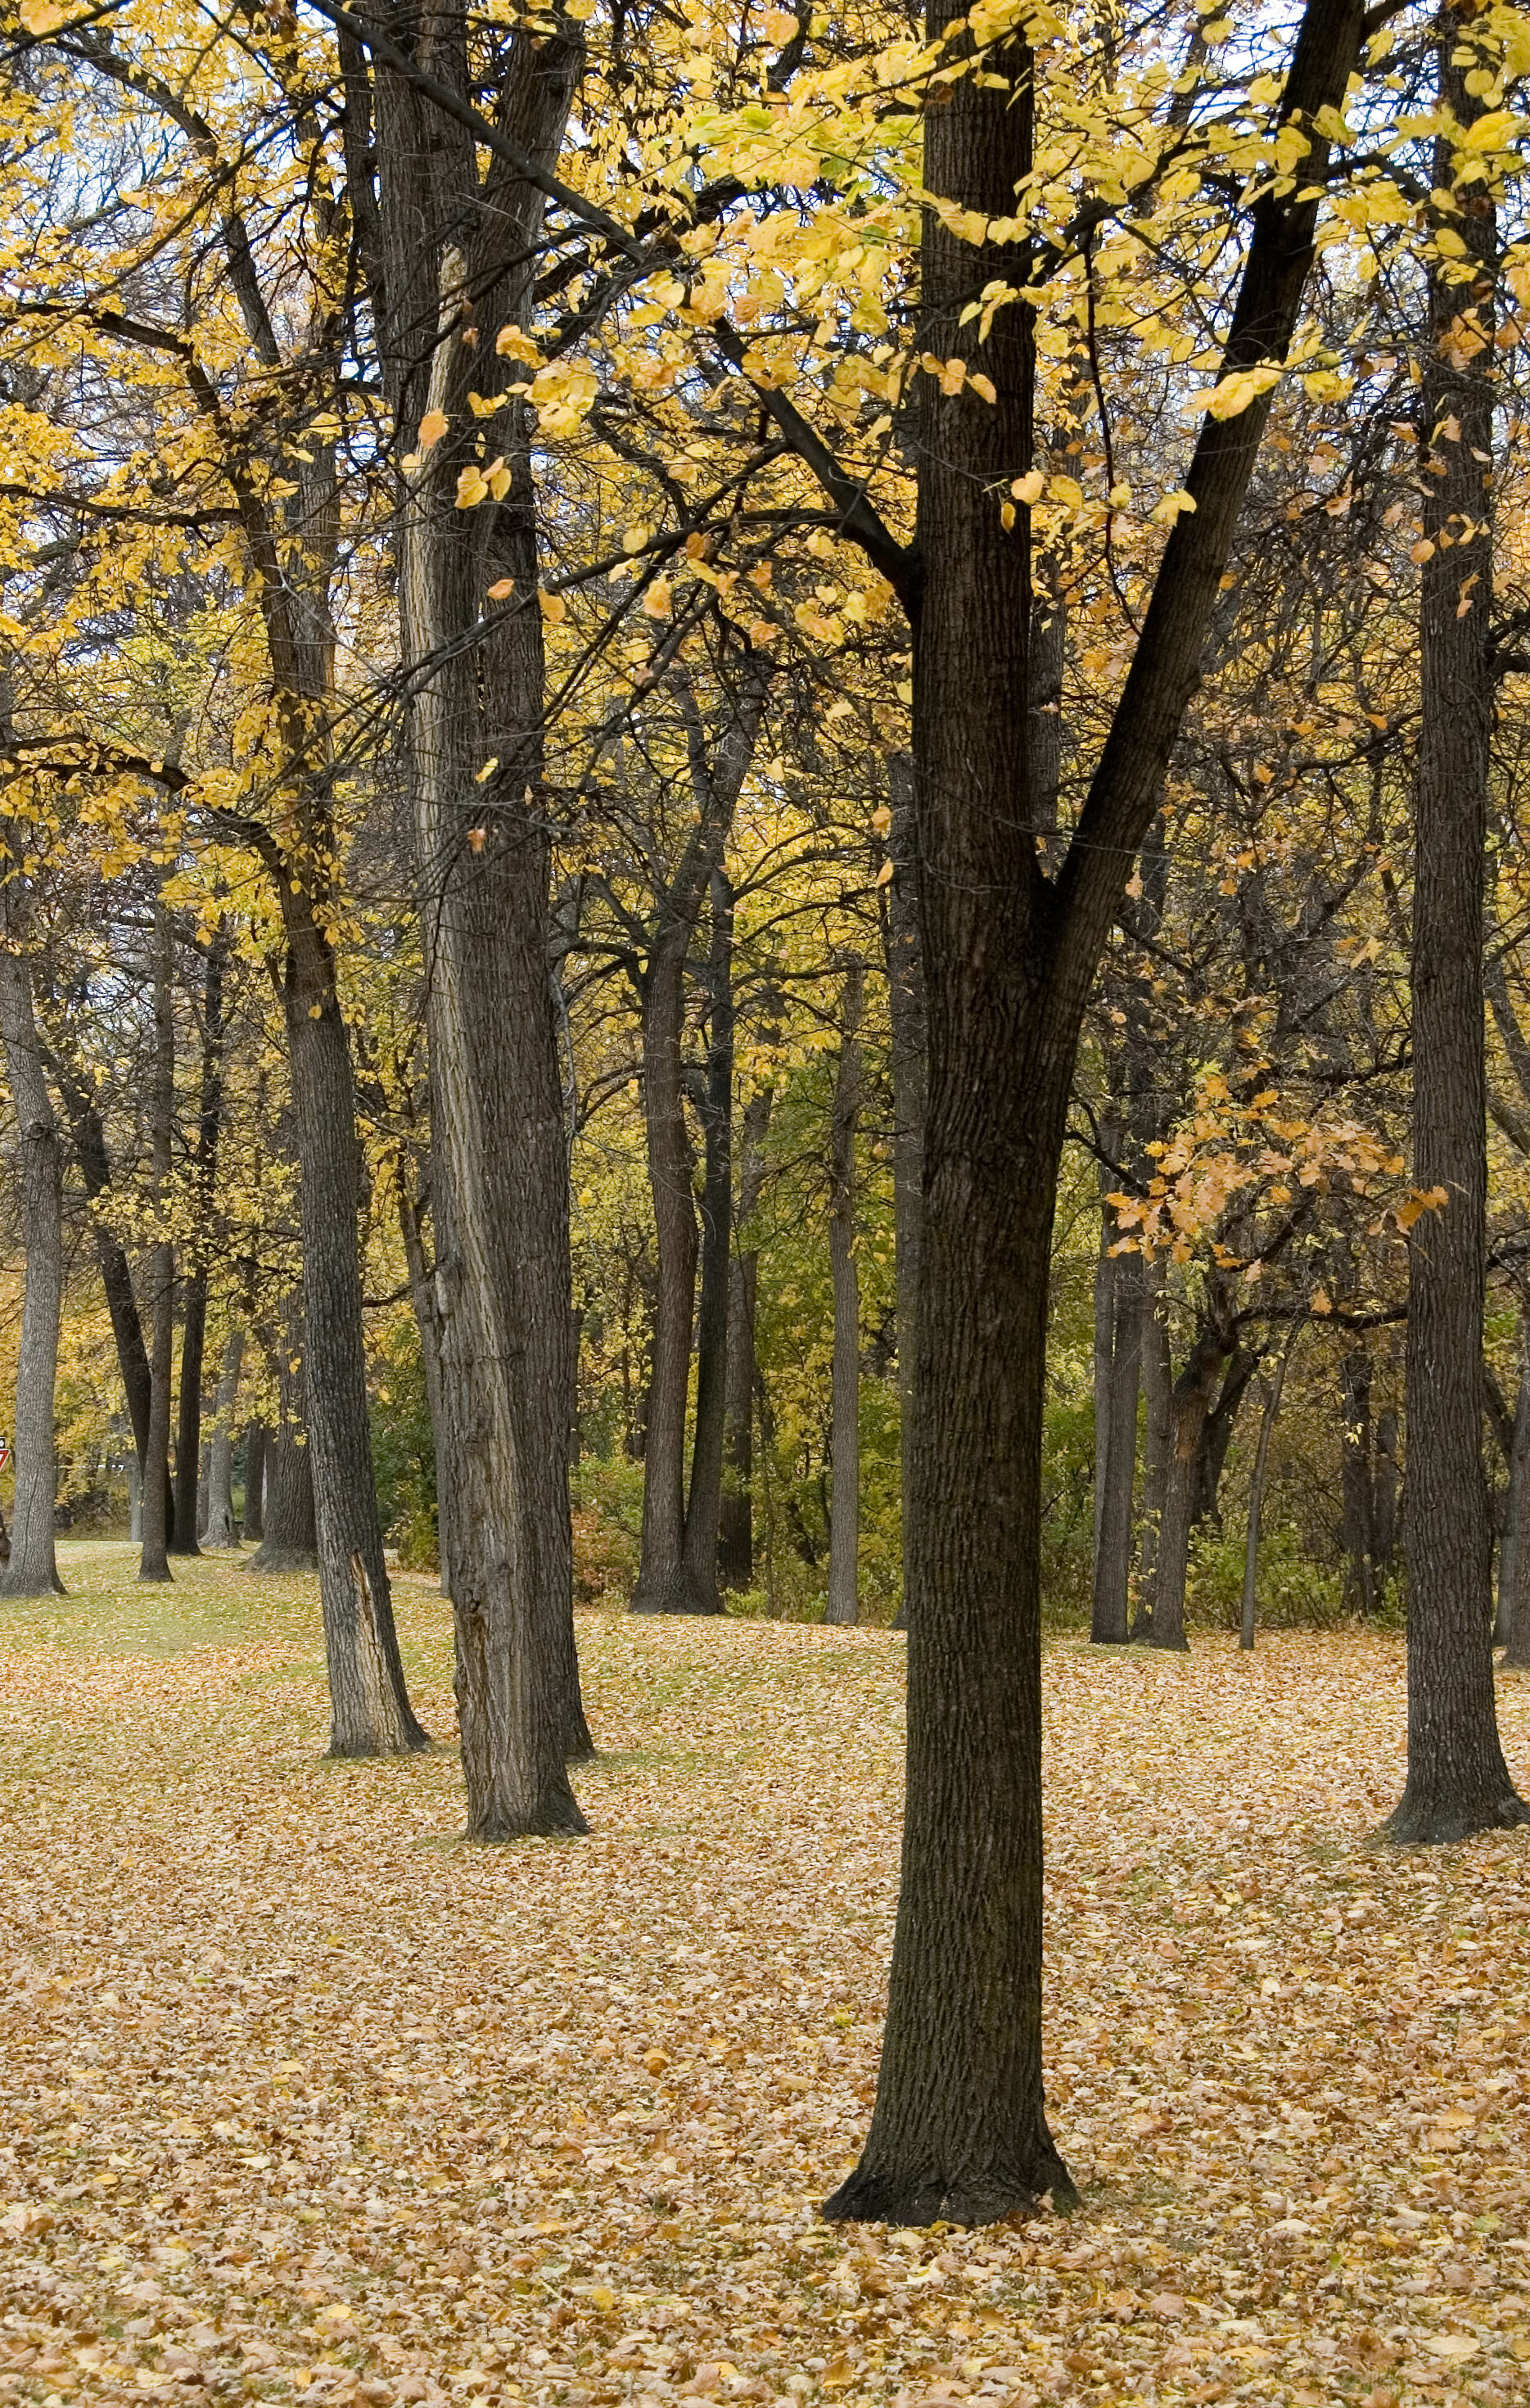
[1517, 1501]
[153, 1563]
[1357, 1529]
[427, 1317]
[845, 1384]
[366, 1719]
[88, 1138]
[1217, 1437]
[667, 1581]
[1158, 1387]
[219, 1529]
[499, 1162]
[704, 1504]
[1115, 1442]
[254, 1482]
[290, 1542]
[32, 1569]
[135, 1499]
[204, 1171]
[1189, 1408]
[735, 1538]
[1457, 1779]
[1256, 1496]
[959, 2130]
[908, 1019]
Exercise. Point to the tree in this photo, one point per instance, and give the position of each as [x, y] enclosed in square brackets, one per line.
[32, 1569]
[845, 1403]
[1457, 1780]
[960, 2129]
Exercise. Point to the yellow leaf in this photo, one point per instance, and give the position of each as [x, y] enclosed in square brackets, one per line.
[432, 427]
[553, 608]
[884, 875]
[1029, 489]
[501, 590]
[656, 601]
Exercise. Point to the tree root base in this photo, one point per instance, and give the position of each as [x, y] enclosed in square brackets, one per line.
[869, 2197]
[270, 1559]
[1431, 1822]
[548, 1823]
[678, 1590]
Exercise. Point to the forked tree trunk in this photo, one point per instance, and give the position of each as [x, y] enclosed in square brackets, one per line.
[252, 1521]
[844, 1604]
[289, 1540]
[1189, 1407]
[736, 1537]
[960, 2129]
[450, 250]
[154, 1564]
[219, 1530]
[32, 1569]
[1457, 1779]
[704, 1504]
[668, 1581]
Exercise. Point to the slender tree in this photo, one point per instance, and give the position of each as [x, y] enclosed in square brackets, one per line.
[32, 1569]
[844, 1604]
[1457, 1780]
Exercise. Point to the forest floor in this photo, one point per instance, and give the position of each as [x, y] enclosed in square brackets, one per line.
[300, 2097]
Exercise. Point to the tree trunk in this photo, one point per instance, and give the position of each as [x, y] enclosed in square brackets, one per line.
[500, 1158]
[668, 1583]
[1357, 1531]
[959, 2130]
[370, 1715]
[1190, 1406]
[204, 1172]
[290, 1540]
[1517, 1500]
[153, 1564]
[845, 1384]
[32, 1569]
[704, 1505]
[1256, 1496]
[253, 1519]
[193, 1339]
[1115, 1442]
[219, 1530]
[88, 1137]
[427, 1317]
[908, 1031]
[1158, 1388]
[1457, 1780]
[1217, 1437]
[135, 1499]
[736, 1539]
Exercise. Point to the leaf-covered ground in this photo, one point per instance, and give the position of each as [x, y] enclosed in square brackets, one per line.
[300, 2097]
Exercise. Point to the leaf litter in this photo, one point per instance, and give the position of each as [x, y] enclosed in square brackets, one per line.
[305, 2101]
